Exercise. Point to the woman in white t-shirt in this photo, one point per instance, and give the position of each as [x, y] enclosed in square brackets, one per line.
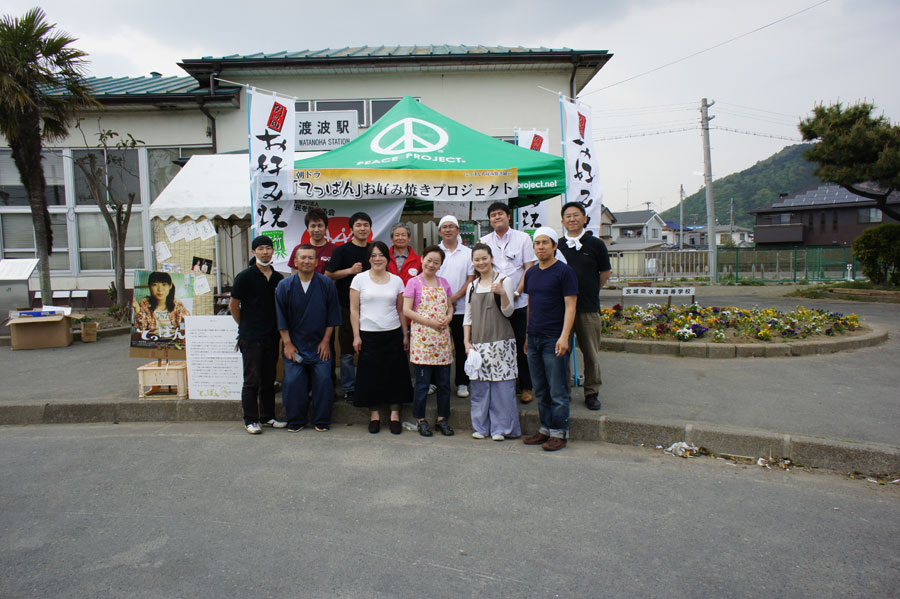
[380, 338]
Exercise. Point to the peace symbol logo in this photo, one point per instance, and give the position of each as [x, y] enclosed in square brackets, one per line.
[410, 135]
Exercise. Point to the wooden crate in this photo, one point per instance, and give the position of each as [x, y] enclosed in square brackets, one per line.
[163, 381]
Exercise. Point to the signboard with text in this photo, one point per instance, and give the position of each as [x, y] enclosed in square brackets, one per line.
[325, 130]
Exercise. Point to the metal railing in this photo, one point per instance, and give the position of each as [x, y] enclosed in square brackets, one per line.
[773, 265]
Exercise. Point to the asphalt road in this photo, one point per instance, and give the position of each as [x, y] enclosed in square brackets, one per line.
[205, 510]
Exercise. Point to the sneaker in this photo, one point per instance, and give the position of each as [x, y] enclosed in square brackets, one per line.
[348, 396]
[536, 439]
[477, 435]
[272, 423]
[296, 428]
[322, 427]
[432, 389]
[253, 428]
[462, 391]
[527, 396]
[498, 437]
[444, 427]
[423, 428]
[554, 444]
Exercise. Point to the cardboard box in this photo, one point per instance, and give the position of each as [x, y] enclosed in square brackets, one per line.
[29, 332]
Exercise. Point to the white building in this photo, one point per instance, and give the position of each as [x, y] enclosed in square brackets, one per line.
[489, 88]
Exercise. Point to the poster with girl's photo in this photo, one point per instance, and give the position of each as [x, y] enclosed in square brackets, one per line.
[161, 302]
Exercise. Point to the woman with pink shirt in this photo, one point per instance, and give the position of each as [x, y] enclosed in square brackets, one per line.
[427, 305]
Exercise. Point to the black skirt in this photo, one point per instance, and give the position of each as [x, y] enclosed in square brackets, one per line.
[382, 371]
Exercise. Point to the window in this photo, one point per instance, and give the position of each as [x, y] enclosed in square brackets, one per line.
[743, 237]
[834, 220]
[358, 105]
[822, 221]
[301, 106]
[380, 108]
[95, 246]
[810, 219]
[869, 215]
[12, 192]
[123, 175]
[784, 219]
[18, 238]
[723, 238]
[654, 233]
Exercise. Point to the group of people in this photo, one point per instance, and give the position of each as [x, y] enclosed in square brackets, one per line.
[503, 312]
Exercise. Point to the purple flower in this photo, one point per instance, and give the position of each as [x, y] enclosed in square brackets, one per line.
[698, 330]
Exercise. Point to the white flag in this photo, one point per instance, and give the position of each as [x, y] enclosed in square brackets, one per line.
[272, 140]
[582, 184]
[533, 217]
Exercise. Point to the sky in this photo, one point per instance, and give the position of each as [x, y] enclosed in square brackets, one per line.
[762, 83]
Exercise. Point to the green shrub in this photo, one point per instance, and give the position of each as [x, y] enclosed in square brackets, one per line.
[878, 251]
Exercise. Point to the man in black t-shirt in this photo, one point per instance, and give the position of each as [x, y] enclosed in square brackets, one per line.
[348, 261]
[252, 306]
[589, 259]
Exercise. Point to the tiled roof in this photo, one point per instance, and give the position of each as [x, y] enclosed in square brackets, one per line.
[120, 87]
[400, 51]
[634, 217]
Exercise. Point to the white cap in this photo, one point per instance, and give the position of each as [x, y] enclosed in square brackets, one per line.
[449, 219]
[546, 232]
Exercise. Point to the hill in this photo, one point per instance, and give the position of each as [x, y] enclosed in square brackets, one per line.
[784, 172]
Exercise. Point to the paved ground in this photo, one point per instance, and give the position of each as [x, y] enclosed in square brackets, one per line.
[850, 396]
[205, 510]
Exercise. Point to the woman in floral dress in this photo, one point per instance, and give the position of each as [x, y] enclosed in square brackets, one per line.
[427, 306]
[486, 329]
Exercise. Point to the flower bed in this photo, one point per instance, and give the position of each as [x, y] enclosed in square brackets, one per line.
[686, 323]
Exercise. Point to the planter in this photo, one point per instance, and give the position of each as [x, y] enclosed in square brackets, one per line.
[89, 331]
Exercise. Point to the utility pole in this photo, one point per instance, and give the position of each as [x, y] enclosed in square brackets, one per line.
[707, 179]
[681, 221]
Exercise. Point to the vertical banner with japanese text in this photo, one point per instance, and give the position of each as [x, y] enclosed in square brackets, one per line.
[530, 218]
[284, 222]
[271, 125]
[581, 165]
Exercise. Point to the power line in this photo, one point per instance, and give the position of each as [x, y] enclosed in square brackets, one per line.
[760, 118]
[793, 116]
[757, 134]
[646, 134]
[719, 45]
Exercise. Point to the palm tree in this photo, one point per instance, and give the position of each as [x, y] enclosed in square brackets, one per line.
[41, 87]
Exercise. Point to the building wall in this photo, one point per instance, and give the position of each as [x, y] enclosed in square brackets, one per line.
[831, 226]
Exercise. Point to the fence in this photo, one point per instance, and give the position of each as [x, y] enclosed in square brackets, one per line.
[774, 265]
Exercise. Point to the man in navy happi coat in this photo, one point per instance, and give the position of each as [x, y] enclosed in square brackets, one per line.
[308, 310]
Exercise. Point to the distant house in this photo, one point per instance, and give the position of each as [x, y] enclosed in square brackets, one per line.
[739, 236]
[638, 225]
[607, 219]
[825, 215]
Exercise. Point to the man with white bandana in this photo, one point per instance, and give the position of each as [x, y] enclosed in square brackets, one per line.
[589, 259]
[457, 268]
[552, 290]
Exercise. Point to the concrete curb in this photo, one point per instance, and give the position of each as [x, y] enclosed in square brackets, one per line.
[829, 454]
[695, 349]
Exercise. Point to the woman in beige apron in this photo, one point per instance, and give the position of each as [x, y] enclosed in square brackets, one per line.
[486, 329]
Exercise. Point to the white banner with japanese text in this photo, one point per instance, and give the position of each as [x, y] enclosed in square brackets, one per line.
[431, 185]
[284, 222]
[581, 165]
[530, 218]
[271, 136]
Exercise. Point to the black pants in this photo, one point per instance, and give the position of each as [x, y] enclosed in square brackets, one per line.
[459, 349]
[519, 322]
[260, 358]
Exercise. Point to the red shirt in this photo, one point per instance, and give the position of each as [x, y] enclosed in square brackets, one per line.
[323, 254]
[412, 266]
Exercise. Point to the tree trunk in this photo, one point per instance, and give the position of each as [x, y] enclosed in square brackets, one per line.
[26, 154]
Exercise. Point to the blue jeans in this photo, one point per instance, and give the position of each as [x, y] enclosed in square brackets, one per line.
[426, 375]
[348, 373]
[312, 374]
[549, 375]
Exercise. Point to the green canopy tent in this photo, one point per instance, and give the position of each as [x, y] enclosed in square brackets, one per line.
[432, 151]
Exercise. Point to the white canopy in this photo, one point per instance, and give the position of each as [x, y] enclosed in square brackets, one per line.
[214, 186]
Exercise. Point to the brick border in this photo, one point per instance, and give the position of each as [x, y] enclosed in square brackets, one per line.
[695, 349]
